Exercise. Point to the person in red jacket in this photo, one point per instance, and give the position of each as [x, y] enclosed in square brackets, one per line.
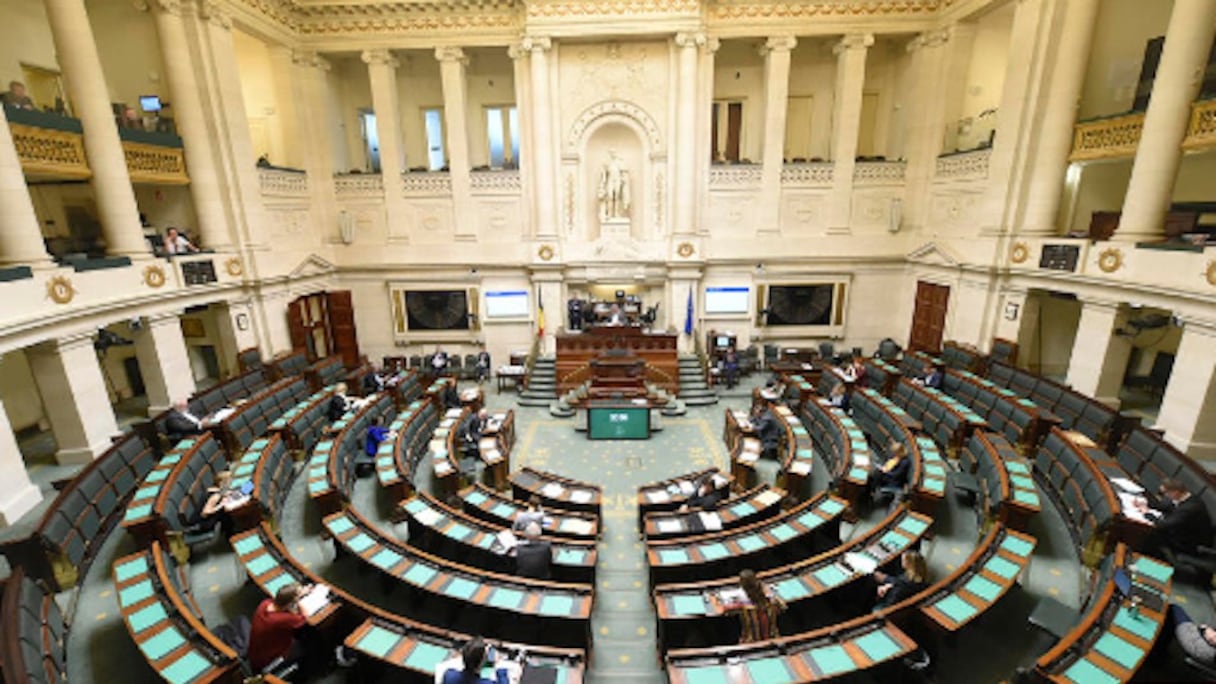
[273, 633]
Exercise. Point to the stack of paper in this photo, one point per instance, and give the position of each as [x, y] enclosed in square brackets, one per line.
[580, 495]
[712, 521]
[552, 490]
[314, 600]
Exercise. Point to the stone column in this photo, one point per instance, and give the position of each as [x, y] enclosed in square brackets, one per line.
[1188, 41]
[310, 92]
[776, 53]
[453, 65]
[543, 150]
[189, 115]
[1190, 397]
[163, 361]
[284, 145]
[382, 73]
[701, 149]
[1046, 182]
[1099, 356]
[86, 84]
[21, 236]
[685, 177]
[19, 495]
[931, 53]
[846, 125]
[523, 107]
[74, 396]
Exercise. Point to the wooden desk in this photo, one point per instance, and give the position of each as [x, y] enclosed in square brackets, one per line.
[670, 494]
[397, 458]
[556, 491]
[759, 503]
[575, 351]
[495, 448]
[988, 575]
[843, 446]
[486, 504]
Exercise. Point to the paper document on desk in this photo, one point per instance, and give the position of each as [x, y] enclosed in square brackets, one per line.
[711, 521]
[860, 562]
[658, 496]
[767, 498]
[552, 490]
[580, 495]
[574, 525]
[505, 541]
[314, 600]
[686, 487]
[428, 516]
[733, 596]
[1127, 485]
[220, 415]
[669, 525]
[1130, 510]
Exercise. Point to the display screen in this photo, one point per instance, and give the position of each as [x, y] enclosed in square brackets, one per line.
[800, 304]
[149, 103]
[507, 304]
[722, 341]
[721, 300]
[618, 422]
[437, 309]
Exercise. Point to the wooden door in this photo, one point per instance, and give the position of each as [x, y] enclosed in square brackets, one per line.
[342, 327]
[929, 317]
[297, 329]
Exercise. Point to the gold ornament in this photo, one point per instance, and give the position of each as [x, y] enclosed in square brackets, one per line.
[60, 289]
[154, 276]
[1019, 253]
[685, 249]
[1110, 260]
[545, 252]
[1211, 273]
[234, 267]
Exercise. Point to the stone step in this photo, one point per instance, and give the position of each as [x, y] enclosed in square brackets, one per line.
[695, 392]
[542, 402]
[700, 401]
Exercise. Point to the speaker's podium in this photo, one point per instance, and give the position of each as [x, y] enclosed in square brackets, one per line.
[618, 405]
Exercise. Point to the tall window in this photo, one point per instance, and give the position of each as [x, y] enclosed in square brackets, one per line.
[436, 155]
[502, 132]
[726, 130]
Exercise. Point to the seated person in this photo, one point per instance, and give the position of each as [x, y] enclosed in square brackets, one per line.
[856, 370]
[1181, 526]
[912, 578]
[439, 362]
[470, 431]
[16, 97]
[767, 429]
[705, 498]
[730, 368]
[892, 473]
[533, 514]
[483, 366]
[181, 422]
[273, 632]
[616, 316]
[214, 511]
[839, 397]
[176, 243]
[1196, 640]
[338, 403]
[533, 555]
[758, 614]
[935, 376]
[376, 433]
[473, 656]
[372, 382]
[451, 397]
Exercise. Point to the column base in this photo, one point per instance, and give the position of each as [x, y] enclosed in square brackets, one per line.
[18, 504]
[80, 455]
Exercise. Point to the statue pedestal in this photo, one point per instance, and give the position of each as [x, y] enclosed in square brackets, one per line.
[615, 228]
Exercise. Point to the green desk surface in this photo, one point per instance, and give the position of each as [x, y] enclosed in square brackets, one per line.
[360, 542]
[162, 643]
[135, 566]
[261, 565]
[830, 575]
[913, 526]
[425, 657]
[1139, 625]
[707, 674]
[503, 510]
[1126, 654]
[556, 605]
[878, 645]
[1085, 672]
[1002, 568]
[1018, 547]
[783, 532]
[791, 589]
[672, 556]
[386, 559]
[956, 608]
[1021, 481]
[460, 588]
[277, 582]
[714, 551]
[135, 593]
[830, 507]
[1028, 497]
[137, 512]
[570, 556]
[751, 543]
[831, 659]
[186, 668]
[770, 671]
[415, 506]
[340, 525]
[507, 599]
[420, 574]
[146, 617]
[742, 509]
[1151, 568]
[458, 531]
[692, 604]
[378, 641]
[983, 588]
[476, 498]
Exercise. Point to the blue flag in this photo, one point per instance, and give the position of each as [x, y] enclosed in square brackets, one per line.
[688, 314]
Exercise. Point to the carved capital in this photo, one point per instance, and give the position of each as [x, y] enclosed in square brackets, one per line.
[931, 39]
[536, 44]
[691, 39]
[167, 6]
[380, 57]
[214, 13]
[711, 45]
[778, 44]
[449, 53]
[853, 41]
[310, 59]
[517, 51]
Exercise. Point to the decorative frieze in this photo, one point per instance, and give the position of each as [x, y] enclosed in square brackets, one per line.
[734, 177]
[495, 181]
[726, 10]
[359, 186]
[50, 152]
[814, 174]
[879, 173]
[155, 164]
[283, 183]
[429, 183]
[963, 166]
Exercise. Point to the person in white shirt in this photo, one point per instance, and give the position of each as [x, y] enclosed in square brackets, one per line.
[180, 422]
[176, 243]
[439, 362]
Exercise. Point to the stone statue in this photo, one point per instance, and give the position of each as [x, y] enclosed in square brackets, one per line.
[614, 189]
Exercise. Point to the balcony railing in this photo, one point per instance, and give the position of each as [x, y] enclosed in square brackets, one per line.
[283, 182]
[879, 173]
[809, 174]
[1119, 136]
[963, 165]
[51, 146]
[1201, 131]
[359, 185]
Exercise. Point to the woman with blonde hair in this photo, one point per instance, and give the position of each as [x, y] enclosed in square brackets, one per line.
[913, 578]
[758, 613]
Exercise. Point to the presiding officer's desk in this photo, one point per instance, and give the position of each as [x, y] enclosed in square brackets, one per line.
[575, 351]
[486, 504]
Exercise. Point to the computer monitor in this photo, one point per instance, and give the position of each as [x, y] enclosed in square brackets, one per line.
[722, 341]
[149, 103]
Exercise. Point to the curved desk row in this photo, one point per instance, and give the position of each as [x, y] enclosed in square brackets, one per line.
[557, 491]
[842, 445]
[759, 503]
[251, 418]
[331, 467]
[486, 504]
[397, 458]
[884, 422]
[442, 450]
[449, 533]
[1019, 419]
[991, 466]
[799, 456]
[302, 425]
[174, 491]
[267, 467]
[415, 646]
[941, 416]
[558, 612]
[762, 544]
[992, 570]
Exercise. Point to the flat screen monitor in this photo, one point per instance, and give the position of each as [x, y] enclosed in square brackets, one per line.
[149, 103]
[727, 300]
[722, 341]
[618, 422]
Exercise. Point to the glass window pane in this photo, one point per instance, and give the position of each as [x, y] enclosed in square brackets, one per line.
[494, 132]
[436, 159]
[513, 122]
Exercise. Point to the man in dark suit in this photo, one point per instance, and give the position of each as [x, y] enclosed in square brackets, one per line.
[767, 429]
[471, 430]
[534, 556]
[935, 376]
[1181, 526]
[338, 403]
[483, 366]
[373, 382]
[180, 422]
